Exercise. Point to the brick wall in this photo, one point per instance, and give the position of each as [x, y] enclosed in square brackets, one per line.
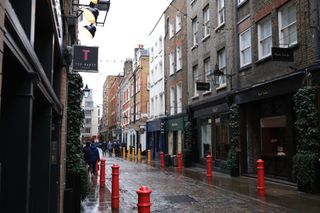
[260, 71]
[220, 37]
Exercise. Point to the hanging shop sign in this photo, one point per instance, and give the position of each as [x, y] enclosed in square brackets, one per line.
[203, 86]
[85, 59]
[282, 54]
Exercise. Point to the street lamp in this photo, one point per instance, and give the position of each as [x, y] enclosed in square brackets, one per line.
[218, 74]
[91, 13]
[86, 91]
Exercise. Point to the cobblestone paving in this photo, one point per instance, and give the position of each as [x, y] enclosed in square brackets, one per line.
[172, 192]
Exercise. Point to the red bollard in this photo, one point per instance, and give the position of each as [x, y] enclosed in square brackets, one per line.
[179, 160]
[102, 172]
[260, 171]
[162, 159]
[115, 186]
[209, 165]
[144, 199]
[96, 169]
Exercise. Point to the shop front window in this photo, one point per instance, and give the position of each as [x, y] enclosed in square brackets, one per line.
[273, 135]
[274, 145]
[206, 138]
[222, 137]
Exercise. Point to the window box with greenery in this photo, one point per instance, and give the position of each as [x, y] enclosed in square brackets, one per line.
[306, 164]
[233, 161]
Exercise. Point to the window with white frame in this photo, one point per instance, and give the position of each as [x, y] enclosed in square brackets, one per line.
[264, 38]
[287, 25]
[156, 106]
[160, 71]
[156, 48]
[171, 29]
[156, 75]
[137, 83]
[179, 98]
[171, 61]
[221, 12]
[137, 111]
[178, 21]
[222, 66]
[172, 98]
[179, 57]
[206, 19]
[195, 79]
[152, 107]
[240, 1]
[194, 31]
[152, 77]
[207, 70]
[160, 44]
[160, 104]
[151, 54]
[245, 47]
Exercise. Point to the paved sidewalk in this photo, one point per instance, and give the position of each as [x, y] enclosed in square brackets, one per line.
[190, 191]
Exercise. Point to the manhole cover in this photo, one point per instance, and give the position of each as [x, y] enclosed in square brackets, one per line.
[179, 198]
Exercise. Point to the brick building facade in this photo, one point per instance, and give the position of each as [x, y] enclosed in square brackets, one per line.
[266, 86]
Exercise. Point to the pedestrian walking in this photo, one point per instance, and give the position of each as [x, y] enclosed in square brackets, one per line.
[110, 148]
[94, 157]
[104, 147]
[86, 153]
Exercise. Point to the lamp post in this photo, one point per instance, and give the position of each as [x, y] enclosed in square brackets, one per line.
[217, 74]
[86, 91]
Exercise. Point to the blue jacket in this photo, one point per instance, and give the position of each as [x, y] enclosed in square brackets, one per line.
[94, 154]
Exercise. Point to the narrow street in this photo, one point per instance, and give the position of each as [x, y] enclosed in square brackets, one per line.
[190, 191]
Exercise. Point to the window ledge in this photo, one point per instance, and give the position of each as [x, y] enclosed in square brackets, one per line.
[245, 67]
[241, 4]
[205, 38]
[195, 97]
[262, 60]
[194, 46]
[221, 86]
[206, 93]
[219, 27]
[178, 70]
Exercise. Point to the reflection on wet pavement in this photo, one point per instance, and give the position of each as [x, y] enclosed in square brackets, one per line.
[189, 190]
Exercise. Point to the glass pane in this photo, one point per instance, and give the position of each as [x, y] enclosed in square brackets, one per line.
[266, 46]
[293, 34]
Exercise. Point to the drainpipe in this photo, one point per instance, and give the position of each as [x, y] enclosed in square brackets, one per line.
[315, 29]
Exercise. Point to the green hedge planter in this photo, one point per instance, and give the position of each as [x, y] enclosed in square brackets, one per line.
[306, 168]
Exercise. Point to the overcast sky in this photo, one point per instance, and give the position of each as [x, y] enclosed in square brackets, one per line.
[128, 24]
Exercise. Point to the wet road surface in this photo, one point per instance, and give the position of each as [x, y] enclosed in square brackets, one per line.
[189, 190]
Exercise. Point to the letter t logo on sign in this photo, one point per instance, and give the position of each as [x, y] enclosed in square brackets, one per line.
[85, 54]
[85, 59]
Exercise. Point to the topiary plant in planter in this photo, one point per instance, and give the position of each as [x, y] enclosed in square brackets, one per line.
[306, 160]
[233, 161]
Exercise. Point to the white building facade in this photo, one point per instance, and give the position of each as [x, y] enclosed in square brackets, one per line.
[92, 117]
[156, 84]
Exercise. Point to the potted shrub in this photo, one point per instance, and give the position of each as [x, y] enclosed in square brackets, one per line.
[306, 160]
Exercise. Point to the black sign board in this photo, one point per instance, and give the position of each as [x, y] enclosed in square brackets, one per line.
[85, 59]
[282, 54]
[204, 86]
